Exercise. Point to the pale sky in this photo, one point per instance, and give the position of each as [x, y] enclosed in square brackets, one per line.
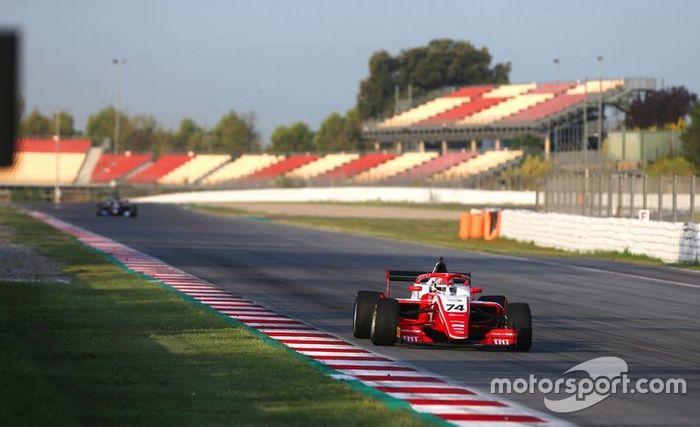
[302, 60]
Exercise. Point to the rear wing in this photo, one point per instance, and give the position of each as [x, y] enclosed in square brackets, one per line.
[408, 276]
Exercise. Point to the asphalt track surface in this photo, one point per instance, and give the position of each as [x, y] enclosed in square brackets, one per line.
[582, 309]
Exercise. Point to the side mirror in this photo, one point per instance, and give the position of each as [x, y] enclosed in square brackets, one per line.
[415, 288]
[476, 290]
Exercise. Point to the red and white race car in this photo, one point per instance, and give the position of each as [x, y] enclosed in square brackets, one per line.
[442, 309]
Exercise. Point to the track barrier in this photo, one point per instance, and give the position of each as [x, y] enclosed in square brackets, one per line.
[480, 225]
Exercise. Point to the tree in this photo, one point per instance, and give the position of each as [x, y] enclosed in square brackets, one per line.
[691, 138]
[442, 63]
[659, 108]
[191, 136]
[340, 133]
[142, 135]
[294, 138]
[66, 124]
[35, 125]
[236, 133]
[100, 126]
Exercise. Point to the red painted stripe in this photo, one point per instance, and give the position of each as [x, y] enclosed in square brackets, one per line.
[333, 357]
[435, 390]
[371, 368]
[297, 334]
[331, 350]
[399, 378]
[489, 417]
[455, 402]
[286, 341]
[264, 320]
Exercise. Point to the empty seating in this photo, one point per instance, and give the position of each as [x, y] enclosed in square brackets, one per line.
[357, 166]
[394, 166]
[470, 92]
[196, 168]
[44, 161]
[480, 164]
[243, 166]
[463, 111]
[506, 108]
[555, 88]
[507, 91]
[424, 111]
[284, 166]
[322, 165]
[159, 168]
[546, 108]
[436, 165]
[111, 167]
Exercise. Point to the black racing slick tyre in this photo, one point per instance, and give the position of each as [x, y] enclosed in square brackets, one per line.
[134, 211]
[385, 319]
[362, 313]
[520, 319]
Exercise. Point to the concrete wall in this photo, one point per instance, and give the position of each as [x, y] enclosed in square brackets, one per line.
[353, 194]
[670, 242]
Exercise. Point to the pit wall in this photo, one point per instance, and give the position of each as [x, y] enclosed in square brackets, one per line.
[352, 194]
[671, 242]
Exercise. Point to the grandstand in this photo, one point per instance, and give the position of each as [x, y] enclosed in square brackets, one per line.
[488, 161]
[159, 168]
[357, 166]
[241, 167]
[191, 171]
[46, 162]
[322, 165]
[394, 167]
[494, 113]
[111, 167]
[284, 166]
[436, 165]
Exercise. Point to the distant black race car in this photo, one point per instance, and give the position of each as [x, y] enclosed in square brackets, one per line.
[115, 206]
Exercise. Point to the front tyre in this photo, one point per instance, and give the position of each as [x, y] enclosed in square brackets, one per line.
[385, 320]
[520, 319]
[362, 313]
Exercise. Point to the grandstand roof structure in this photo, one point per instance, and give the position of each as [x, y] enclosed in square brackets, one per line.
[502, 111]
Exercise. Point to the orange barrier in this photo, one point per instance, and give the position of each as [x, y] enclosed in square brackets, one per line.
[480, 225]
[492, 225]
[465, 224]
[476, 231]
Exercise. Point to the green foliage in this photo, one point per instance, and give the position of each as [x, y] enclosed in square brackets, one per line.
[691, 138]
[100, 126]
[292, 139]
[338, 133]
[143, 130]
[35, 124]
[528, 142]
[443, 62]
[235, 133]
[531, 171]
[66, 124]
[191, 136]
[671, 166]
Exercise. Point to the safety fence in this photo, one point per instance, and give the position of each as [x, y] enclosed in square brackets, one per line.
[656, 198]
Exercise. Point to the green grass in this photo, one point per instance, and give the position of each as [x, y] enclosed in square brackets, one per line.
[112, 348]
[441, 233]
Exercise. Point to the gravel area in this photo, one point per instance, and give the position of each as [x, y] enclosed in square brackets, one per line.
[19, 263]
[345, 211]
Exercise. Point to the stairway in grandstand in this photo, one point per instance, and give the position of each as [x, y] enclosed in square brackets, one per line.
[92, 158]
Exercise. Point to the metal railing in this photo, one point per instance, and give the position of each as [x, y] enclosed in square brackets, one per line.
[657, 198]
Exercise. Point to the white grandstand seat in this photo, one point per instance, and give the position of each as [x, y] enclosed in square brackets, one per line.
[243, 166]
[506, 108]
[40, 168]
[595, 86]
[322, 165]
[424, 111]
[395, 166]
[194, 169]
[477, 165]
[507, 91]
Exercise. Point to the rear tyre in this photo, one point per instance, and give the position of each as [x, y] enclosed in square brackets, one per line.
[362, 313]
[134, 211]
[521, 320]
[498, 299]
[385, 319]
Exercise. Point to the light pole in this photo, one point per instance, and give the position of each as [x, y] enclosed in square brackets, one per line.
[57, 147]
[600, 103]
[556, 66]
[117, 63]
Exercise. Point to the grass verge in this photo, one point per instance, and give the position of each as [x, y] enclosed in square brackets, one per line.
[112, 348]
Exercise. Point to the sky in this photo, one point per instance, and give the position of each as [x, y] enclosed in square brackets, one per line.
[290, 61]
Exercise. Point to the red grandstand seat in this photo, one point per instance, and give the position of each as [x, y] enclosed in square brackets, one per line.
[436, 165]
[462, 111]
[48, 145]
[113, 166]
[284, 166]
[357, 166]
[546, 108]
[160, 167]
[470, 91]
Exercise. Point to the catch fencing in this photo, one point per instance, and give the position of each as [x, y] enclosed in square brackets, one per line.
[656, 198]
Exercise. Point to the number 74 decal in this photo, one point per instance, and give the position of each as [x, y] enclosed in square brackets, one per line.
[455, 307]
